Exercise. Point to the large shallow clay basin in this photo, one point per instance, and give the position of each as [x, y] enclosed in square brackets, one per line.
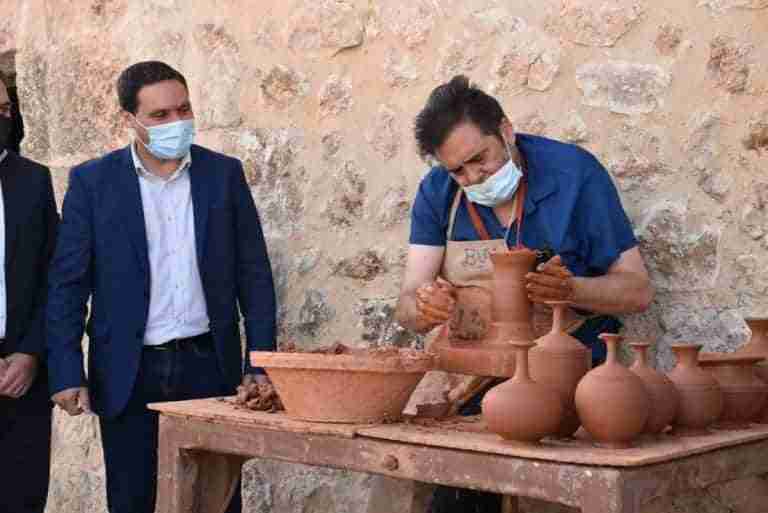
[354, 388]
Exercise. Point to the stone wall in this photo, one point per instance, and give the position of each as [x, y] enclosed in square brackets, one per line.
[318, 97]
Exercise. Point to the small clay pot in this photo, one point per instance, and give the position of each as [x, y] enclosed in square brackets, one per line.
[612, 401]
[521, 409]
[560, 360]
[744, 394]
[662, 392]
[511, 305]
[701, 401]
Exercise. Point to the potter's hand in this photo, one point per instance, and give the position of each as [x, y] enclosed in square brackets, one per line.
[73, 400]
[18, 374]
[435, 302]
[552, 281]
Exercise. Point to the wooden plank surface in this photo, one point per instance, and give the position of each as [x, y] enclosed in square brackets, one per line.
[469, 434]
[222, 410]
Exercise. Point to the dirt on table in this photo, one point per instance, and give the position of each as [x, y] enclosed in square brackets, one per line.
[375, 352]
[259, 397]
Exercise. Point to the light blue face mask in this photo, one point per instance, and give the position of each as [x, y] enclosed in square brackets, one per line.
[169, 141]
[497, 188]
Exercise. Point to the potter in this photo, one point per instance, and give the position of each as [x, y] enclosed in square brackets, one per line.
[549, 196]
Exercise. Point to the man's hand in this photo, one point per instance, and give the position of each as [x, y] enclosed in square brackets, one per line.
[18, 374]
[435, 302]
[73, 400]
[552, 281]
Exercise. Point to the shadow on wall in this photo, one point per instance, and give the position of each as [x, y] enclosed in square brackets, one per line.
[8, 68]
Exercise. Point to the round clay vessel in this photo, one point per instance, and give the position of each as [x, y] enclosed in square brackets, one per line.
[612, 401]
[511, 305]
[560, 360]
[701, 401]
[758, 346]
[521, 409]
[744, 394]
[661, 391]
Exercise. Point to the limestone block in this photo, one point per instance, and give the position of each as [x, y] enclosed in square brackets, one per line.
[399, 69]
[728, 63]
[283, 87]
[394, 208]
[383, 134]
[345, 206]
[680, 255]
[377, 317]
[574, 129]
[669, 38]
[331, 143]
[335, 96]
[527, 58]
[366, 265]
[720, 6]
[326, 24]
[754, 214]
[636, 159]
[757, 132]
[314, 312]
[412, 22]
[599, 22]
[623, 87]
[219, 77]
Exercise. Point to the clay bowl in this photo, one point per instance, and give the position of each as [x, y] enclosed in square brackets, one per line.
[361, 387]
[744, 395]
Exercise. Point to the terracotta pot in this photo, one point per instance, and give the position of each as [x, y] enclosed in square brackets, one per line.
[662, 392]
[560, 361]
[521, 409]
[744, 394]
[701, 401]
[511, 305]
[612, 401]
[757, 345]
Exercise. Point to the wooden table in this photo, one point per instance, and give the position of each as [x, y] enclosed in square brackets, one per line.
[203, 444]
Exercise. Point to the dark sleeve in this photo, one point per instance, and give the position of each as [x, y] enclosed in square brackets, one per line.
[69, 281]
[256, 290]
[427, 227]
[33, 340]
[606, 229]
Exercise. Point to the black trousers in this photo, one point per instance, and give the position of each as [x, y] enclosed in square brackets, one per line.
[25, 449]
[189, 371]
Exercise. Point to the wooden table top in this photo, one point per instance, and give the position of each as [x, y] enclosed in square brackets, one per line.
[469, 434]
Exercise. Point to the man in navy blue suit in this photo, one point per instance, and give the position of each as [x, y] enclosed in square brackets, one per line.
[164, 239]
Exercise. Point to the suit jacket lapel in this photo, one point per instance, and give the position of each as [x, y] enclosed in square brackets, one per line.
[131, 210]
[198, 177]
[13, 205]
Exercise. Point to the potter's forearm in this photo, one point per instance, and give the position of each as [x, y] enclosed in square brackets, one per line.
[614, 293]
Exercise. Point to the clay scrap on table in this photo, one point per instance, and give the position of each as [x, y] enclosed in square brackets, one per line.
[259, 397]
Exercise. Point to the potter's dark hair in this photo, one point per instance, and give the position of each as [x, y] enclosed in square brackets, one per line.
[453, 103]
[139, 75]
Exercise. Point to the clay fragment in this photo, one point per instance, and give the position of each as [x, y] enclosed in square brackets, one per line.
[258, 397]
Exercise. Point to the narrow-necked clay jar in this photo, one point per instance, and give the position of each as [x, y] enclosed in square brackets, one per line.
[612, 401]
[664, 400]
[520, 409]
[743, 395]
[511, 309]
[758, 344]
[701, 401]
[560, 360]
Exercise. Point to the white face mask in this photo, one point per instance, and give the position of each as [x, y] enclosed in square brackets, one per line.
[497, 188]
[169, 141]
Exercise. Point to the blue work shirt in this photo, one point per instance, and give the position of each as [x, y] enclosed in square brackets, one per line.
[572, 208]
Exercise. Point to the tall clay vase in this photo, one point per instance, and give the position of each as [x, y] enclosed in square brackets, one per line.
[559, 360]
[511, 311]
[661, 391]
[520, 409]
[701, 401]
[758, 346]
[612, 401]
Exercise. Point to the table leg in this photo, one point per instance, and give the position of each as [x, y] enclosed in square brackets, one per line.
[509, 504]
[193, 480]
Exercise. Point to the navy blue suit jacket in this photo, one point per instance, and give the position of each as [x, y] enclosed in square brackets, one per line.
[102, 255]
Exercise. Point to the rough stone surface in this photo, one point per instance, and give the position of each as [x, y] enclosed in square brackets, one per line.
[728, 63]
[681, 255]
[623, 87]
[598, 22]
[317, 99]
[335, 96]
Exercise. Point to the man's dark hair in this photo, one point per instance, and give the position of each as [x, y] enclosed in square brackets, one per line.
[449, 105]
[141, 74]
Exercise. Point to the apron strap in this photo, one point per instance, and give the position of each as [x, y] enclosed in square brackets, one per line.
[454, 209]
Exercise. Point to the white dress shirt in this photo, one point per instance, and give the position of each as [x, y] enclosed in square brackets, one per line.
[177, 307]
[3, 293]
